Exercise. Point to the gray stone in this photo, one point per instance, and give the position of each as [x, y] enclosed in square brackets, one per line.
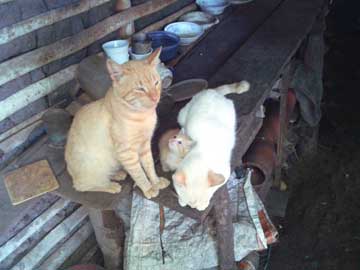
[13, 86]
[9, 13]
[51, 4]
[17, 46]
[30, 8]
[28, 111]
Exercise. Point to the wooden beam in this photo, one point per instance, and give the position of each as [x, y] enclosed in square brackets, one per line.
[32, 259]
[35, 91]
[19, 29]
[160, 24]
[27, 62]
[10, 246]
[127, 30]
[55, 260]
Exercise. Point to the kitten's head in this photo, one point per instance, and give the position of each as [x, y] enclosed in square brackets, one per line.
[195, 184]
[137, 83]
[180, 143]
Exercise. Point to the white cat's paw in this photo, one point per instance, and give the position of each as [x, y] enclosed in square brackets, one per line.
[182, 203]
[162, 183]
[151, 193]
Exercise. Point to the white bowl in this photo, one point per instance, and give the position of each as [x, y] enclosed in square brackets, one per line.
[135, 56]
[117, 50]
[205, 20]
[187, 31]
[214, 7]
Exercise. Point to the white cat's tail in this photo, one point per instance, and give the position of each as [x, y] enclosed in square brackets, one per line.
[234, 88]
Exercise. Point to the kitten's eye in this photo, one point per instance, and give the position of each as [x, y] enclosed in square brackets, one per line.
[174, 137]
[156, 83]
[179, 142]
[142, 89]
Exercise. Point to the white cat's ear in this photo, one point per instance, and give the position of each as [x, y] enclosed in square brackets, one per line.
[179, 178]
[154, 58]
[115, 70]
[215, 179]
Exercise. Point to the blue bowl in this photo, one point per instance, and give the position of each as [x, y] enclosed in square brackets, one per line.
[169, 43]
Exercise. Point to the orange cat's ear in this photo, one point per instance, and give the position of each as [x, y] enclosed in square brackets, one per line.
[154, 58]
[179, 178]
[115, 70]
[215, 179]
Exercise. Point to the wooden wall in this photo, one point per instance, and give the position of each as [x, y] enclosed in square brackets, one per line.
[41, 43]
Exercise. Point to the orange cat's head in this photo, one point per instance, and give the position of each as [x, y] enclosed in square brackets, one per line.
[137, 83]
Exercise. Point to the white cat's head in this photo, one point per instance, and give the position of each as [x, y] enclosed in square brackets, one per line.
[195, 184]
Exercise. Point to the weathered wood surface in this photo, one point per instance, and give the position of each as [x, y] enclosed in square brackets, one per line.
[35, 91]
[24, 27]
[225, 38]
[261, 58]
[50, 241]
[15, 67]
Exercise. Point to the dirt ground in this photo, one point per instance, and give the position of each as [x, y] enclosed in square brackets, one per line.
[321, 230]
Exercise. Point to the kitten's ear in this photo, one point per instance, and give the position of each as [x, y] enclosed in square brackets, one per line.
[215, 179]
[180, 178]
[154, 58]
[115, 70]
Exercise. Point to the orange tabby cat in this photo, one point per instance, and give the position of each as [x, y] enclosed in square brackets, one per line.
[113, 134]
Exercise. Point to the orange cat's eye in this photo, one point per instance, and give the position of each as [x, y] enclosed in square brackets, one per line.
[156, 83]
[142, 89]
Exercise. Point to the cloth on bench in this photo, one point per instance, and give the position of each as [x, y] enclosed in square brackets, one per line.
[186, 243]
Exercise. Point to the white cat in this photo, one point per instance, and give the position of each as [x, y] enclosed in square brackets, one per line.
[209, 119]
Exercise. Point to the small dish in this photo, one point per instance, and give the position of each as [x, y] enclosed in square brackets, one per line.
[187, 31]
[205, 20]
[136, 56]
[168, 41]
[214, 7]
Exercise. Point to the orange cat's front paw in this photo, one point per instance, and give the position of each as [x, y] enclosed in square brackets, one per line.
[163, 183]
[151, 193]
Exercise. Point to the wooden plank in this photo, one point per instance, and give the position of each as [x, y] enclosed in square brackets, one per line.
[21, 28]
[10, 246]
[23, 125]
[15, 67]
[32, 259]
[56, 259]
[261, 59]
[35, 91]
[224, 39]
[160, 24]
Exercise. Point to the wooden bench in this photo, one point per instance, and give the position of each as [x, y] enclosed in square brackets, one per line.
[254, 42]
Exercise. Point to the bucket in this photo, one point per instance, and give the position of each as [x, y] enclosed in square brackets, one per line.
[117, 50]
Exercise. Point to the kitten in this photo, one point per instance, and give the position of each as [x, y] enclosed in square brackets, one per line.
[209, 119]
[172, 151]
[112, 135]
[173, 146]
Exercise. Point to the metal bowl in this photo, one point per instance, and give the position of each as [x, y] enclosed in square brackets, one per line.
[205, 20]
[187, 31]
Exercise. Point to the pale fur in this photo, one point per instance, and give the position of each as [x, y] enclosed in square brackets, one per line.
[209, 119]
[173, 146]
[115, 132]
[171, 152]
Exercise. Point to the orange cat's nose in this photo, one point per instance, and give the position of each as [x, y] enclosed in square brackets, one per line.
[154, 97]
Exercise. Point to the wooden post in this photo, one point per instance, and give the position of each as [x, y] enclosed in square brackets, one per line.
[224, 230]
[109, 232]
[127, 30]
